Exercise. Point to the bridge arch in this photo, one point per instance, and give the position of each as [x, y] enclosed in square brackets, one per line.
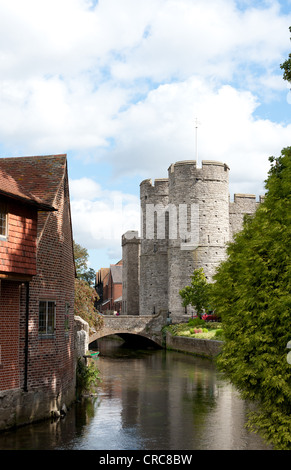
[143, 326]
[135, 340]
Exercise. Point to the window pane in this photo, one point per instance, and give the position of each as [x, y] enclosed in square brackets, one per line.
[3, 217]
[46, 321]
[67, 318]
[51, 318]
[42, 317]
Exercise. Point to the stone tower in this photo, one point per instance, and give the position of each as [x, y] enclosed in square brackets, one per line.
[130, 273]
[154, 247]
[187, 219]
[202, 200]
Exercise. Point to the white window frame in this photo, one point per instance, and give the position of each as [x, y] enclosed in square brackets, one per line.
[3, 220]
[48, 328]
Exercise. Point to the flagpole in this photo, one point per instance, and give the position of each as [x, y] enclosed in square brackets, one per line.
[196, 142]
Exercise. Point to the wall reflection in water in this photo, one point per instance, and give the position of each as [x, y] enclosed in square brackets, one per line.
[148, 399]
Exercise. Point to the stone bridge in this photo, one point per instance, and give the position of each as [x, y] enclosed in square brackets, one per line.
[144, 326]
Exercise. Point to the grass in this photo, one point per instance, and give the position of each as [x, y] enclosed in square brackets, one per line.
[197, 328]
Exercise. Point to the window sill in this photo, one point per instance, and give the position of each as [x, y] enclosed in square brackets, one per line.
[47, 336]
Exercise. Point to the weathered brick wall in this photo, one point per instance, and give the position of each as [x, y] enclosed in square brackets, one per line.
[51, 364]
[51, 359]
[10, 363]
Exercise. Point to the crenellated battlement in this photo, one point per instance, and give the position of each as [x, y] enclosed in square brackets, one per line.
[153, 193]
[188, 168]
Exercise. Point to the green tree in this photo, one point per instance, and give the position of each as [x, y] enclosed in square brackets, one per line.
[197, 294]
[81, 258]
[85, 297]
[89, 276]
[252, 294]
[85, 294]
[286, 66]
[81, 262]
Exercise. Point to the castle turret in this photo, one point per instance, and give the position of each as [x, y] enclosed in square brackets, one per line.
[154, 247]
[202, 200]
[187, 220]
[130, 273]
[243, 204]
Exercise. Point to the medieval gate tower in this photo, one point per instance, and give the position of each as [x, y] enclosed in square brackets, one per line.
[187, 219]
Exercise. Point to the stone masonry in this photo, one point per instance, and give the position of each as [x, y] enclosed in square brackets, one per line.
[187, 220]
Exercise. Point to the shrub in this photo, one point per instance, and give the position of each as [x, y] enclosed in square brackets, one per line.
[86, 376]
[219, 333]
[196, 322]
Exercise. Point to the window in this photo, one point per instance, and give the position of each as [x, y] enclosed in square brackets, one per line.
[3, 221]
[67, 318]
[47, 316]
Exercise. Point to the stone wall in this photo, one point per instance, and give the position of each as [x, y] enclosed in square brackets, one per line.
[244, 204]
[148, 326]
[81, 333]
[201, 347]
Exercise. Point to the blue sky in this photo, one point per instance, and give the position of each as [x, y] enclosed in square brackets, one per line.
[117, 84]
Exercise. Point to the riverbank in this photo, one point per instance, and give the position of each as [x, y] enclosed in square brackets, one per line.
[201, 347]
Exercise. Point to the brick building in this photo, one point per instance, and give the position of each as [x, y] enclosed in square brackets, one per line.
[37, 370]
[101, 276]
[109, 282]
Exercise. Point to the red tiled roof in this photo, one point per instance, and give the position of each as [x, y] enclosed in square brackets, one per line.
[9, 187]
[36, 178]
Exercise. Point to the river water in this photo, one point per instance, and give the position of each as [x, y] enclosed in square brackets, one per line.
[147, 400]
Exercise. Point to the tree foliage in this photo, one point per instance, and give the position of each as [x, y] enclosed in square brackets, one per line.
[85, 297]
[252, 294]
[81, 262]
[85, 294]
[286, 66]
[197, 294]
[81, 258]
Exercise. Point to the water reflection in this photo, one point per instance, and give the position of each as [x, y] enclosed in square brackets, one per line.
[151, 400]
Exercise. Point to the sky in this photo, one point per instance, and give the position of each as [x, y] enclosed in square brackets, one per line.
[117, 85]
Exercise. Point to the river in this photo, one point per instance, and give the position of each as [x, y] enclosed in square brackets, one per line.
[147, 400]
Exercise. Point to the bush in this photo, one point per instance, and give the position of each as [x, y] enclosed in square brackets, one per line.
[86, 376]
[219, 333]
[196, 322]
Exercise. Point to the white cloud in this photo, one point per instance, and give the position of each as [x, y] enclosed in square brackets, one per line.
[210, 38]
[123, 80]
[100, 217]
[67, 70]
[160, 131]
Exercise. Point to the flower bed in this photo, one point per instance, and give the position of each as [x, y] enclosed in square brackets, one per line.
[197, 328]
